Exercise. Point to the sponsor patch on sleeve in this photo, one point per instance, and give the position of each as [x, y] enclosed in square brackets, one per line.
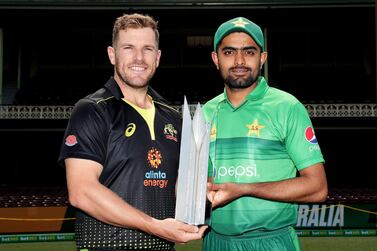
[310, 136]
[71, 140]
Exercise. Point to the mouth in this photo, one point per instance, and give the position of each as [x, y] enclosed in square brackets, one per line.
[137, 68]
[240, 71]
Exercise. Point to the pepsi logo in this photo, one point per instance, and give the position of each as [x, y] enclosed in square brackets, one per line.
[310, 136]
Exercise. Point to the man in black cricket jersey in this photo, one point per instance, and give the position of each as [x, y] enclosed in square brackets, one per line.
[121, 152]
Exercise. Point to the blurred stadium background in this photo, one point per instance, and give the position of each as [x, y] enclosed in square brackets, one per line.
[54, 52]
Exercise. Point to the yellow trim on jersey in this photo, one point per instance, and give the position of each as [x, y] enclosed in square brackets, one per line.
[101, 100]
[147, 114]
[166, 106]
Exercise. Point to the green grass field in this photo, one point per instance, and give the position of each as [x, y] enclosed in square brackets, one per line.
[308, 244]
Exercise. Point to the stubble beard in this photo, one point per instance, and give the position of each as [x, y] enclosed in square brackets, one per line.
[136, 83]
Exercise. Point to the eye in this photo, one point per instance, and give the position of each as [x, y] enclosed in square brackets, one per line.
[127, 47]
[228, 52]
[149, 49]
[249, 52]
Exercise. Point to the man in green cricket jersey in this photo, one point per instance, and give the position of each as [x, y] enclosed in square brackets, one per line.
[264, 156]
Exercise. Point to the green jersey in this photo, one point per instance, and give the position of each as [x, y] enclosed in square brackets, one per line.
[267, 138]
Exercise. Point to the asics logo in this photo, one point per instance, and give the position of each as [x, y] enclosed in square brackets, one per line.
[131, 127]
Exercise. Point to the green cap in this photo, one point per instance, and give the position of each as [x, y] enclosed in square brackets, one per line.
[239, 24]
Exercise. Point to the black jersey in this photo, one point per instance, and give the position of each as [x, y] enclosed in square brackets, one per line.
[141, 170]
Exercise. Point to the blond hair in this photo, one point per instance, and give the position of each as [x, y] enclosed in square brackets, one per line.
[134, 21]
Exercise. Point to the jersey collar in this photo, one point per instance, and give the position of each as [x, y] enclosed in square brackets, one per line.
[113, 87]
[259, 91]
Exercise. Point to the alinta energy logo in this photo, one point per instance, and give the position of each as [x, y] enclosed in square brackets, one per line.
[154, 158]
[155, 178]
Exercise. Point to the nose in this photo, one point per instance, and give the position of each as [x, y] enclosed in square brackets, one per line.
[139, 54]
[239, 59]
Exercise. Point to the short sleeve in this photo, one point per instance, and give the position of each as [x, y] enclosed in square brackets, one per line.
[301, 142]
[85, 136]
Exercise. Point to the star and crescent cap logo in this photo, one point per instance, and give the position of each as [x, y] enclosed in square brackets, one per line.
[254, 128]
[240, 22]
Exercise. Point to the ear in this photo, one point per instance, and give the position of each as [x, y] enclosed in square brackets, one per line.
[215, 59]
[111, 54]
[263, 59]
[158, 58]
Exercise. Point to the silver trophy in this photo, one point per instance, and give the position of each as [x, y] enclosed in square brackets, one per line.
[193, 167]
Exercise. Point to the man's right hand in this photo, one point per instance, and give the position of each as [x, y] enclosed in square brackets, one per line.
[176, 231]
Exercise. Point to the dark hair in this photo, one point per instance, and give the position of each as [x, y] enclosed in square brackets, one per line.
[134, 21]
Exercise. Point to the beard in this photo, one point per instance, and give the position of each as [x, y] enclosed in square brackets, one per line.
[136, 82]
[240, 83]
